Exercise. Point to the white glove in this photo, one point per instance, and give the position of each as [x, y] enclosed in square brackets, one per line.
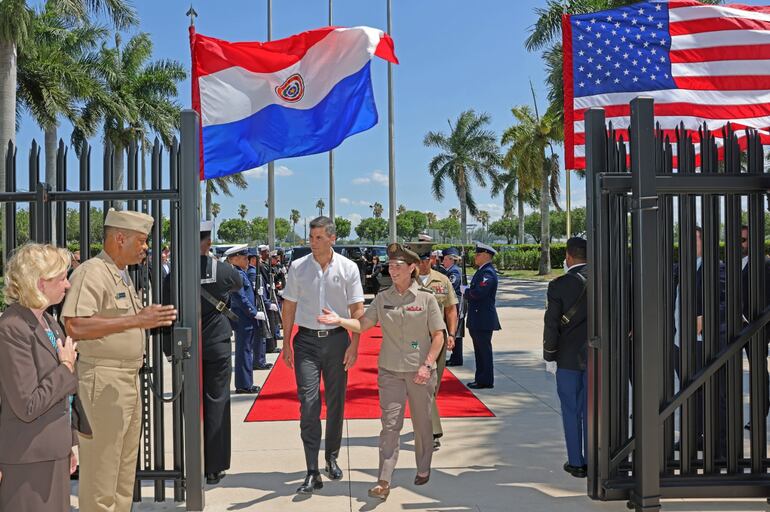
[280, 293]
[260, 316]
[550, 367]
[274, 307]
[463, 288]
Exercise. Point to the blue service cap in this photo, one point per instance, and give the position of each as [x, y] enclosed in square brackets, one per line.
[252, 251]
[480, 247]
[451, 251]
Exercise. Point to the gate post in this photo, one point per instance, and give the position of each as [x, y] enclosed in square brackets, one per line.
[189, 308]
[644, 220]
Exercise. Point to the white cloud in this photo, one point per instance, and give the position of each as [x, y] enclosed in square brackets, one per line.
[344, 200]
[355, 220]
[376, 177]
[261, 172]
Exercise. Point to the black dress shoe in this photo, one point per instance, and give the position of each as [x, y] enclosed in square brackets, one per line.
[213, 478]
[253, 390]
[576, 471]
[476, 385]
[312, 482]
[265, 366]
[333, 470]
[450, 363]
[276, 350]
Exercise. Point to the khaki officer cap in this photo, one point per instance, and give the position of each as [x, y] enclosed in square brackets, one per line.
[127, 219]
[398, 252]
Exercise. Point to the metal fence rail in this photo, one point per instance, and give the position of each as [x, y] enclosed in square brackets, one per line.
[181, 200]
[668, 322]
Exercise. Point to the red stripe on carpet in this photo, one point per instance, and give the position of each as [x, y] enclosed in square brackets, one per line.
[278, 399]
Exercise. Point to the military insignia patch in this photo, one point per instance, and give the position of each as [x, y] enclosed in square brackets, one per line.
[291, 90]
[414, 308]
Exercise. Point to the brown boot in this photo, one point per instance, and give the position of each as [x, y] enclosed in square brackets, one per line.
[381, 490]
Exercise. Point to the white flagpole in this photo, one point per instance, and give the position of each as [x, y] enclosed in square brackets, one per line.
[271, 165]
[391, 148]
[332, 212]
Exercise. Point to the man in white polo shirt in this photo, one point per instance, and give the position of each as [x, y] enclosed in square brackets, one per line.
[322, 279]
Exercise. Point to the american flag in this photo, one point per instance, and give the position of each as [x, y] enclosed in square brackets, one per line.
[700, 63]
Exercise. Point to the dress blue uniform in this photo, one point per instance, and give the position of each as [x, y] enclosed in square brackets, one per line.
[455, 277]
[260, 360]
[243, 305]
[482, 318]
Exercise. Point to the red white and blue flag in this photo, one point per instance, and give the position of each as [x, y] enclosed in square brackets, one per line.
[302, 95]
[700, 63]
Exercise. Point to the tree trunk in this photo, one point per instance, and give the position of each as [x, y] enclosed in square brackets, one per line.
[545, 224]
[521, 220]
[118, 174]
[7, 117]
[463, 216]
[51, 148]
[209, 200]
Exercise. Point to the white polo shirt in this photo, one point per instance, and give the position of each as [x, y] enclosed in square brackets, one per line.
[313, 289]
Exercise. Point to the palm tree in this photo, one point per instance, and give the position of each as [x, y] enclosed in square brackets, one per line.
[377, 210]
[141, 98]
[468, 152]
[401, 209]
[216, 209]
[222, 185]
[15, 19]
[529, 140]
[320, 205]
[294, 218]
[516, 185]
[242, 211]
[483, 217]
[431, 218]
[55, 71]
[454, 213]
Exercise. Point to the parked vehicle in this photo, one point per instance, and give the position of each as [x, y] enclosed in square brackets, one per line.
[362, 256]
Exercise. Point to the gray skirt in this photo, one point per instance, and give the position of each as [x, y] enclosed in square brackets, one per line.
[35, 487]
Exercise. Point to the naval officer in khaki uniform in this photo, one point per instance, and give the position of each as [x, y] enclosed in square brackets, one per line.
[413, 333]
[442, 289]
[104, 314]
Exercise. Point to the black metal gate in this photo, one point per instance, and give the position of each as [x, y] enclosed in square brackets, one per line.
[668, 393]
[181, 200]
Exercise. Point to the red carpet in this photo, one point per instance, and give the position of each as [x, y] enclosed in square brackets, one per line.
[278, 399]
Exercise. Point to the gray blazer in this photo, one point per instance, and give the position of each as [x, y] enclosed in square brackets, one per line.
[35, 422]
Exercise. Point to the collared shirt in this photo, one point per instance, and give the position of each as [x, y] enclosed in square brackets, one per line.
[407, 322]
[100, 288]
[442, 289]
[336, 288]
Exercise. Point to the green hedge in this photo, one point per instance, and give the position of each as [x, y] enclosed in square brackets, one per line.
[516, 257]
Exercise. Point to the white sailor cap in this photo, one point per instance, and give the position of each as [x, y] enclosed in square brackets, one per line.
[436, 253]
[237, 250]
[424, 237]
[481, 247]
[264, 248]
[207, 225]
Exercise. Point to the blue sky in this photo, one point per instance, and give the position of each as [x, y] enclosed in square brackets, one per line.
[455, 55]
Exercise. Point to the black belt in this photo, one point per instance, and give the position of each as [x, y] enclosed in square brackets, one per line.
[320, 333]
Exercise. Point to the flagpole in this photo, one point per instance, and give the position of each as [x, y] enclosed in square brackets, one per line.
[391, 149]
[271, 165]
[331, 154]
[569, 202]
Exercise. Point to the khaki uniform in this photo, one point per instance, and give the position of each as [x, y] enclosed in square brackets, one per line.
[407, 323]
[442, 289]
[108, 372]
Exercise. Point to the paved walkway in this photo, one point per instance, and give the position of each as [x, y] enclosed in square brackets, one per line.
[511, 462]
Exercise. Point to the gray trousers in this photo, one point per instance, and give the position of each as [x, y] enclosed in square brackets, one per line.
[315, 357]
[395, 389]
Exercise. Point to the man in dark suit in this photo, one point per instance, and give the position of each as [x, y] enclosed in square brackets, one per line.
[745, 286]
[482, 315]
[565, 335]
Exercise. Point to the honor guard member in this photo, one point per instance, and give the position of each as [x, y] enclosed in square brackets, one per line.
[218, 279]
[482, 315]
[267, 279]
[103, 313]
[260, 347]
[449, 263]
[447, 300]
[242, 304]
[565, 336]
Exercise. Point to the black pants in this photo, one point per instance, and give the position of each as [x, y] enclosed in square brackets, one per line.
[217, 369]
[482, 349]
[314, 357]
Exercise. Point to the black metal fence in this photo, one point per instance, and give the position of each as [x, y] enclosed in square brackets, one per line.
[181, 200]
[677, 296]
